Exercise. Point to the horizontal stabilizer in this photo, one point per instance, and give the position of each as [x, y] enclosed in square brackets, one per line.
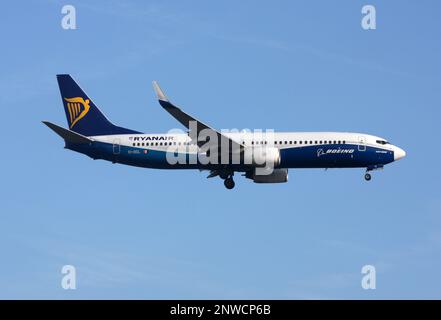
[68, 135]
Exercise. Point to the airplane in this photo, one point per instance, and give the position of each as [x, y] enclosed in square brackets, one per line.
[263, 157]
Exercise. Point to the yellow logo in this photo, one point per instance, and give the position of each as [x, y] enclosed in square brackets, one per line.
[78, 108]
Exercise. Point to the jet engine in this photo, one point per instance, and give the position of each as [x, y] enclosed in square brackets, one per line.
[277, 176]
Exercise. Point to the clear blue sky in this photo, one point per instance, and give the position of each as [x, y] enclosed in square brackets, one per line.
[283, 65]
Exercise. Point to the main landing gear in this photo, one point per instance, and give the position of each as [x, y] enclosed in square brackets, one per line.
[229, 183]
[226, 175]
[367, 176]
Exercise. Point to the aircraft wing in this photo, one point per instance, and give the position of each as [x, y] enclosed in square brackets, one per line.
[185, 118]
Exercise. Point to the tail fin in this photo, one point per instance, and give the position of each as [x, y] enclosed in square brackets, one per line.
[83, 116]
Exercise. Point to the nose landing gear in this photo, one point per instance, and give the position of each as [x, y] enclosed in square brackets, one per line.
[367, 175]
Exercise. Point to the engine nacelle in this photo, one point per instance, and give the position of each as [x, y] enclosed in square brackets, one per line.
[277, 176]
[262, 157]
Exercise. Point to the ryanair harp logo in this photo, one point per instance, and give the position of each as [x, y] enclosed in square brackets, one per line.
[77, 108]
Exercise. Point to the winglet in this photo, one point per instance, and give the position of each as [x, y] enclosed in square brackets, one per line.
[159, 93]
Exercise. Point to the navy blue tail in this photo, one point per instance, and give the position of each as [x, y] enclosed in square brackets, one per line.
[83, 116]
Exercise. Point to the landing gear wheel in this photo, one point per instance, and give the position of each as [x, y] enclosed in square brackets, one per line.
[223, 175]
[367, 177]
[229, 183]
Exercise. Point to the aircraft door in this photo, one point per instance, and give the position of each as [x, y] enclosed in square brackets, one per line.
[361, 143]
[116, 146]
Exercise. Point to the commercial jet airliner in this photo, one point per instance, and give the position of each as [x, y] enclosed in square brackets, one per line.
[263, 156]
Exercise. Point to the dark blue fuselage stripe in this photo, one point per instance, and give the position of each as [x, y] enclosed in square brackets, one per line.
[316, 156]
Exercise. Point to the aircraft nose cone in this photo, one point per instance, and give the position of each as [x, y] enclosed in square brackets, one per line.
[399, 153]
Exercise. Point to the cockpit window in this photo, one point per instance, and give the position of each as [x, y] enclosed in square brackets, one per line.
[382, 142]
